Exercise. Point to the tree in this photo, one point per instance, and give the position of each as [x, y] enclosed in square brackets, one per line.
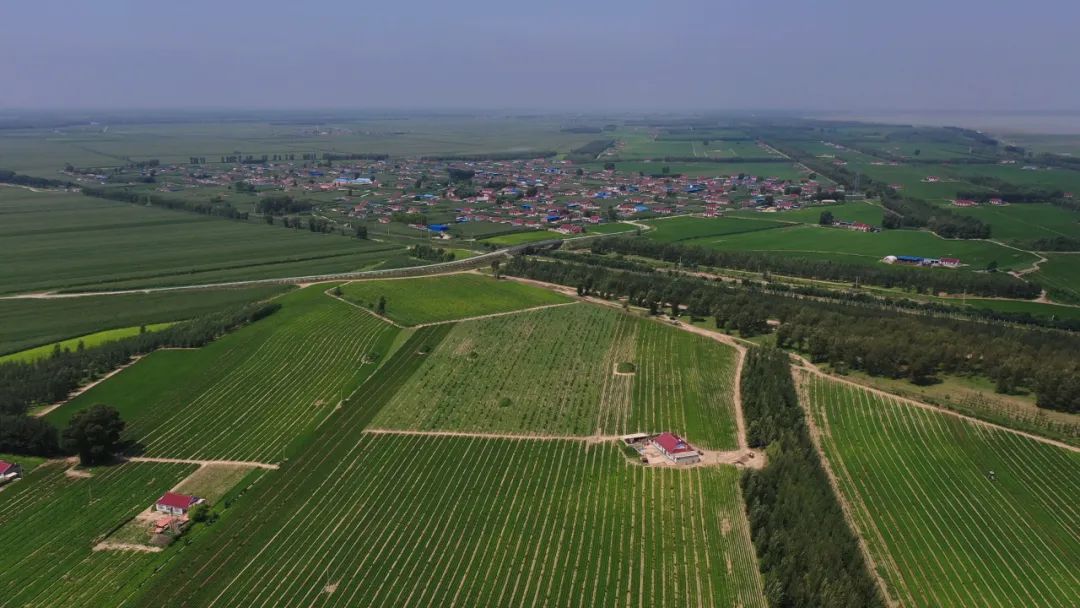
[381, 306]
[93, 434]
[992, 266]
[495, 266]
[612, 213]
[826, 218]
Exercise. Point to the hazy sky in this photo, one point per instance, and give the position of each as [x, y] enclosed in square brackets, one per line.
[551, 54]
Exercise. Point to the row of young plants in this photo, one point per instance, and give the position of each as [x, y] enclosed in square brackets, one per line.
[954, 513]
[806, 552]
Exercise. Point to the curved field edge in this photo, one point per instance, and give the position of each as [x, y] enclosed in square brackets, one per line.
[942, 529]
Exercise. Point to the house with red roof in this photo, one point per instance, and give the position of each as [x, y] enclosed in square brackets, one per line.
[176, 504]
[9, 471]
[675, 449]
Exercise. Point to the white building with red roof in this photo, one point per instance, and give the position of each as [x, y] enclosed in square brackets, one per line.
[176, 504]
[675, 449]
[9, 471]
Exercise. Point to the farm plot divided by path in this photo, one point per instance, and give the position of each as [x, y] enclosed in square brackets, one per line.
[250, 394]
[49, 523]
[445, 298]
[450, 521]
[942, 529]
[553, 372]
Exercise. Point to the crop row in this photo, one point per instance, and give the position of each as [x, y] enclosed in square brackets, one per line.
[452, 521]
[955, 513]
[554, 371]
[49, 523]
[249, 395]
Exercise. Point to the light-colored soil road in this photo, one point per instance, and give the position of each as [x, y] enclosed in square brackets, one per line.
[235, 463]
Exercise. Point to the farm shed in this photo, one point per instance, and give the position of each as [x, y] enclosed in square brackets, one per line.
[675, 449]
[176, 504]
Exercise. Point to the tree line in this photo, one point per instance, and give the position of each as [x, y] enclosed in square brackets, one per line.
[919, 280]
[523, 155]
[18, 179]
[807, 554]
[280, 204]
[215, 207]
[24, 384]
[431, 254]
[875, 339]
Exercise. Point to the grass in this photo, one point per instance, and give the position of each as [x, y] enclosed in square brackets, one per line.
[65, 240]
[943, 532]
[28, 463]
[850, 246]
[445, 298]
[685, 228]
[433, 521]
[49, 523]
[213, 481]
[255, 394]
[781, 170]
[89, 340]
[1060, 276]
[33, 322]
[1021, 223]
[521, 238]
[553, 371]
[867, 213]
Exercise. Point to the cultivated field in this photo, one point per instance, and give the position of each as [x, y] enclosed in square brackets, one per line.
[252, 393]
[65, 240]
[87, 341]
[521, 238]
[679, 229]
[867, 213]
[49, 524]
[554, 371]
[943, 529]
[448, 297]
[32, 322]
[382, 519]
[1021, 223]
[1060, 275]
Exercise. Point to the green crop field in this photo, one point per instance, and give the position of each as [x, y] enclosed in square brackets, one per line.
[1060, 276]
[33, 322]
[778, 170]
[865, 212]
[1021, 223]
[850, 246]
[448, 297]
[520, 238]
[553, 371]
[671, 230]
[252, 393]
[941, 530]
[67, 240]
[49, 524]
[94, 339]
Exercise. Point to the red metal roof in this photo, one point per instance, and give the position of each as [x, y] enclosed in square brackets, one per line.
[672, 444]
[5, 467]
[176, 501]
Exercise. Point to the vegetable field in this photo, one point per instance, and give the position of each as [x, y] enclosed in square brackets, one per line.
[553, 371]
[447, 297]
[49, 523]
[250, 394]
[943, 529]
[450, 521]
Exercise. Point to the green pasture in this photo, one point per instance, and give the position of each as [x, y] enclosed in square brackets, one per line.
[676, 229]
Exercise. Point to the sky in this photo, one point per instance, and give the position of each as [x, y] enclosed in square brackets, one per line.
[580, 55]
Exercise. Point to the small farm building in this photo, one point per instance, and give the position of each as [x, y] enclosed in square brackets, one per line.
[176, 504]
[675, 449]
[9, 471]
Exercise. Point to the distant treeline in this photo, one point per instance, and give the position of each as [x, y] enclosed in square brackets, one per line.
[354, 156]
[582, 130]
[1009, 192]
[1054, 243]
[864, 334]
[713, 160]
[592, 149]
[915, 279]
[281, 204]
[431, 254]
[216, 208]
[26, 384]
[791, 507]
[523, 155]
[18, 179]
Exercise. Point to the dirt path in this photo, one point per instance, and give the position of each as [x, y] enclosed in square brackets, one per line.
[495, 314]
[237, 463]
[82, 389]
[806, 366]
[479, 435]
[111, 546]
[845, 505]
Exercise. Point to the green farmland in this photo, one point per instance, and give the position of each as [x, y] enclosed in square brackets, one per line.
[71, 241]
[553, 371]
[251, 394]
[850, 246]
[33, 322]
[521, 238]
[867, 213]
[1022, 223]
[49, 524]
[87, 341]
[676, 229]
[942, 530]
[1060, 276]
